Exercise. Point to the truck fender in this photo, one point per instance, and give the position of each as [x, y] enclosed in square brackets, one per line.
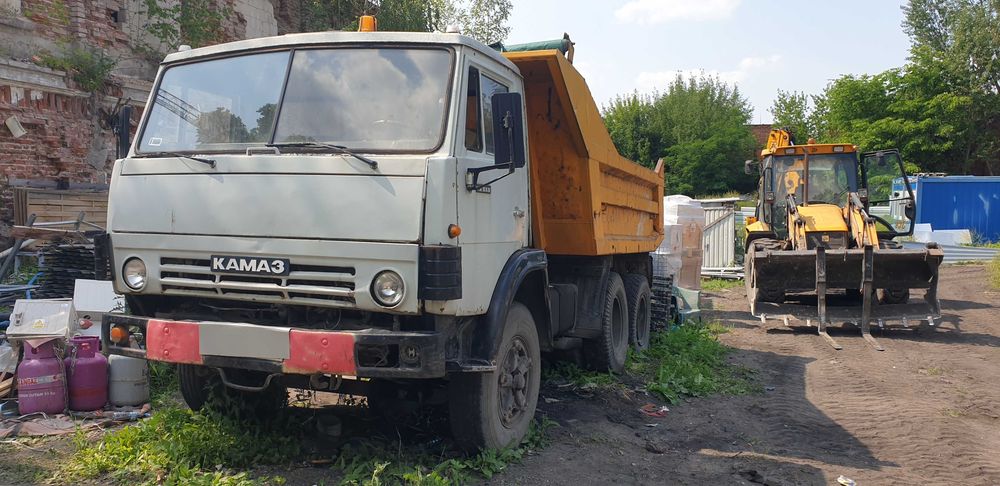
[521, 265]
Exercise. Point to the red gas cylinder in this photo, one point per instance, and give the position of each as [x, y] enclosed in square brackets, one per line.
[41, 385]
[87, 374]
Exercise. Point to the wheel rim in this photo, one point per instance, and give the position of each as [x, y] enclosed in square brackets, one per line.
[512, 381]
[619, 326]
[641, 320]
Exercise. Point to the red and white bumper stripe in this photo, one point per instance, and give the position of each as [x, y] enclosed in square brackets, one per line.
[308, 351]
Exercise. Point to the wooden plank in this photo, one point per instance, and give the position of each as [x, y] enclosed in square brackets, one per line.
[45, 233]
[69, 204]
[41, 183]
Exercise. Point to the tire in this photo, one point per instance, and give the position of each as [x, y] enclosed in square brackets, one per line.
[776, 296]
[494, 410]
[892, 296]
[195, 384]
[637, 296]
[608, 351]
[202, 387]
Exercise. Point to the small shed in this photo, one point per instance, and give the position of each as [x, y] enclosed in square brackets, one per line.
[960, 202]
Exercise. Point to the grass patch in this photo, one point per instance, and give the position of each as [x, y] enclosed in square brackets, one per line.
[993, 272]
[717, 284]
[163, 384]
[566, 372]
[25, 272]
[178, 446]
[372, 464]
[686, 361]
[689, 361]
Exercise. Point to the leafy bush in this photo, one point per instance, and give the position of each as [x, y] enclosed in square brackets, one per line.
[89, 68]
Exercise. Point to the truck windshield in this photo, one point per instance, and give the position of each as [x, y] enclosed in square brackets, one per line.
[368, 99]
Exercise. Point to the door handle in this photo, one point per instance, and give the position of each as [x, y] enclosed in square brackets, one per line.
[518, 212]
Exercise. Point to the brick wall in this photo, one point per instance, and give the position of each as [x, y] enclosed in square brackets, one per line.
[65, 137]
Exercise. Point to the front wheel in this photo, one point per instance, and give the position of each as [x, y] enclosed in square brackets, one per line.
[202, 387]
[493, 410]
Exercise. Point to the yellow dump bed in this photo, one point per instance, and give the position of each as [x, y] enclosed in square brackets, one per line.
[586, 199]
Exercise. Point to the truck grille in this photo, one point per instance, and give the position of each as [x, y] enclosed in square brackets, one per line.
[305, 284]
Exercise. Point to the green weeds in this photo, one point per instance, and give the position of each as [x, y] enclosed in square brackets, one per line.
[686, 361]
[994, 272]
[689, 361]
[179, 446]
[717, 284]
[372, 464]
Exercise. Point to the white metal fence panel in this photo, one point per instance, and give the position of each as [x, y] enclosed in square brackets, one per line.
[719, 238]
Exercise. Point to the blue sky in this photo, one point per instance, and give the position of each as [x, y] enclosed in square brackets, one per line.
[761, 45]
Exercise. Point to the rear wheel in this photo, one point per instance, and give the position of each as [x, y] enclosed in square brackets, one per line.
[638, 296]
[493, 410]
[608, 351]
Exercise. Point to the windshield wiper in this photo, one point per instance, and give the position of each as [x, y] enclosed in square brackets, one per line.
[208, 162]
[337, 148]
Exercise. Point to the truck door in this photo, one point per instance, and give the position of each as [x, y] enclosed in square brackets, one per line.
[494, 220]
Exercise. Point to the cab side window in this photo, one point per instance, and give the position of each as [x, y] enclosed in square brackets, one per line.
[489, 88]
[473, 128]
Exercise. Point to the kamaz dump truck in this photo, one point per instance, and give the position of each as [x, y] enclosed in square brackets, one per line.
[822, 244]
[361, 211]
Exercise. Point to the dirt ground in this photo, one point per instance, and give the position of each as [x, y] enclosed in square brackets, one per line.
[924, 411]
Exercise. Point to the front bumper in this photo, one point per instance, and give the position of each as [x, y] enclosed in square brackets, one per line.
[372, 353]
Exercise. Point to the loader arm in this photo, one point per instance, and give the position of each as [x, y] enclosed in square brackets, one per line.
[864, 231]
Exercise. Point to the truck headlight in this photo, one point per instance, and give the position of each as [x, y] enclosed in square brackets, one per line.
[134, 274]
[387, 288]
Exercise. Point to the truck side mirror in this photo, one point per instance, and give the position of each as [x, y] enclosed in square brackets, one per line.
[508, 129]
[747, 167]
[123, 130]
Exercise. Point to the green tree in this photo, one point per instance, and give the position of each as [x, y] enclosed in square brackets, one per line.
[791, 110]
[699, 126]
[962, 38]
[629, 119]
[485, 20]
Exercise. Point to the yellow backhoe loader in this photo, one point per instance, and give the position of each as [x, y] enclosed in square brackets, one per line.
[821, 246]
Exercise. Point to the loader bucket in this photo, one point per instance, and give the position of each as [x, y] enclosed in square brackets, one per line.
[807, 276]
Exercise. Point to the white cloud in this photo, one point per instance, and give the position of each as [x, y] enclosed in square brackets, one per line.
[660, 11]
[751, 63]
[648, 81]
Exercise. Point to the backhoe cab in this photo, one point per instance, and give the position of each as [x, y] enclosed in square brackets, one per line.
[823, 234]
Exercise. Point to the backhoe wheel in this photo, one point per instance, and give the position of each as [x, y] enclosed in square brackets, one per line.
[893, 296]
[493, 410]
[608, 351]
[638, 296]
[776, 296]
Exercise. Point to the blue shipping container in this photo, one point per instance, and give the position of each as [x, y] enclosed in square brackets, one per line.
[960, 202]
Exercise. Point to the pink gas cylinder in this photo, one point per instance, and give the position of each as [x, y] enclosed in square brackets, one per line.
[86, 374]
[41, 384]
